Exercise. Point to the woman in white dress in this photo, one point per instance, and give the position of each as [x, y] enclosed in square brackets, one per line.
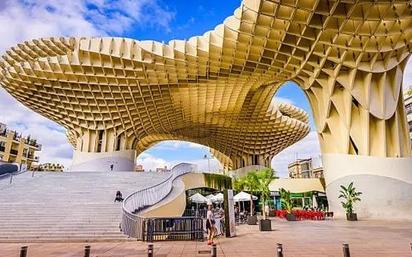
[210, 224]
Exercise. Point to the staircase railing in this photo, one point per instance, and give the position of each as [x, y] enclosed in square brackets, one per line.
[132, 223]
[10, 176]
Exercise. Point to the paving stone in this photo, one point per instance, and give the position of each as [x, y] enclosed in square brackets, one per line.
[299, 239]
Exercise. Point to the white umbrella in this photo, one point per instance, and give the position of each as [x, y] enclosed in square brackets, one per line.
[198, 198]
[243, 197]
[219, 197]
[210, 197]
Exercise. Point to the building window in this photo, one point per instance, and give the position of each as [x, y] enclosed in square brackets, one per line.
[118, 143]
[100, 141]
[255, 160]
[408, 108]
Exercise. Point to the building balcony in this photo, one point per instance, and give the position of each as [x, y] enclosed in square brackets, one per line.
[35, 145]
[17, 137]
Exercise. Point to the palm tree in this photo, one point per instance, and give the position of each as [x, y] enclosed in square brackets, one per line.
[286, 200]
[265, 177]
[252, 185]
[350, 195]
[239, 184]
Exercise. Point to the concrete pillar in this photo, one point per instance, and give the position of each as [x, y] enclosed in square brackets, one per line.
[123, 160]
[8, 146]
[386, 184]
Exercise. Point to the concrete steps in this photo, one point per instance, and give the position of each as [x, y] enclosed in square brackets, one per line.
[67, 207]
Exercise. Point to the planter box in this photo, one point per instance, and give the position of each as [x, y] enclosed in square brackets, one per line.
[265, 225]
[351, 216]
[290, 217]
[252, 220]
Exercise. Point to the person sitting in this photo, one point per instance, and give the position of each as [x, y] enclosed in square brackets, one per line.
[119, 197]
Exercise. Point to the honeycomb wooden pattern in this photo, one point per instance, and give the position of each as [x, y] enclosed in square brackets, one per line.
[216, 89]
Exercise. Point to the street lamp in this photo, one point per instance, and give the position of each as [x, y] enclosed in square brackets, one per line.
[208, 161]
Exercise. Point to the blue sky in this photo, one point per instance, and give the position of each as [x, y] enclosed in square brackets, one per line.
[190, 18]
[159, 20]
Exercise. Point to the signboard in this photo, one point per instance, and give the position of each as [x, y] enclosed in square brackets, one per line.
[274, 193]
[230, 223]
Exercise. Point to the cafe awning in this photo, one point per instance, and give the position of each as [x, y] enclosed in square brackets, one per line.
[297, 185]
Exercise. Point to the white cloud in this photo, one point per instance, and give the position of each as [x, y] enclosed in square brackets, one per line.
[16, 116]
[305, 148]
[277, 99]
[25, 20]
[30, 19]
[407, 77]
[151, 162]
[203, 165]
[177, 144]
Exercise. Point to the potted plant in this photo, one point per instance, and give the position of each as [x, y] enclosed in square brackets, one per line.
[249, 183]
[252, 184]
[287, 204]
[265, 176]
[351, 196]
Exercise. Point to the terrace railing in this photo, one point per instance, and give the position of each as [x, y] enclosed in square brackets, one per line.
[173, 229]
[7, 178]
[195, 213]
[132, 223]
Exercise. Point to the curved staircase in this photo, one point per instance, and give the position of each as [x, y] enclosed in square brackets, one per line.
[166, 199]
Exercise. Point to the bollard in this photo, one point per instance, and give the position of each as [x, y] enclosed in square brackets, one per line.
[11, 178]
[23, 251]
[279, 250]
[150, 250]
[87, 251]
[213, 251]
[346, 252]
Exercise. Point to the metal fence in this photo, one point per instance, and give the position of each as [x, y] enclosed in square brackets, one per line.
[7, 178]
[195, 213]
[132, 223]
[172, 229]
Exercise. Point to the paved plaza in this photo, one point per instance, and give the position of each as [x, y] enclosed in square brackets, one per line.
[303, 239]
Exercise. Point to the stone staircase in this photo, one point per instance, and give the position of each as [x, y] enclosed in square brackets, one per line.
[66, 206]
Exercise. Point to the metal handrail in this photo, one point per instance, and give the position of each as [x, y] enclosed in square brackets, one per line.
[4, 175]
[12, 174]
[132, 223]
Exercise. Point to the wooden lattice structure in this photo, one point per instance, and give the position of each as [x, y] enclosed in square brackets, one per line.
[216, 89]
